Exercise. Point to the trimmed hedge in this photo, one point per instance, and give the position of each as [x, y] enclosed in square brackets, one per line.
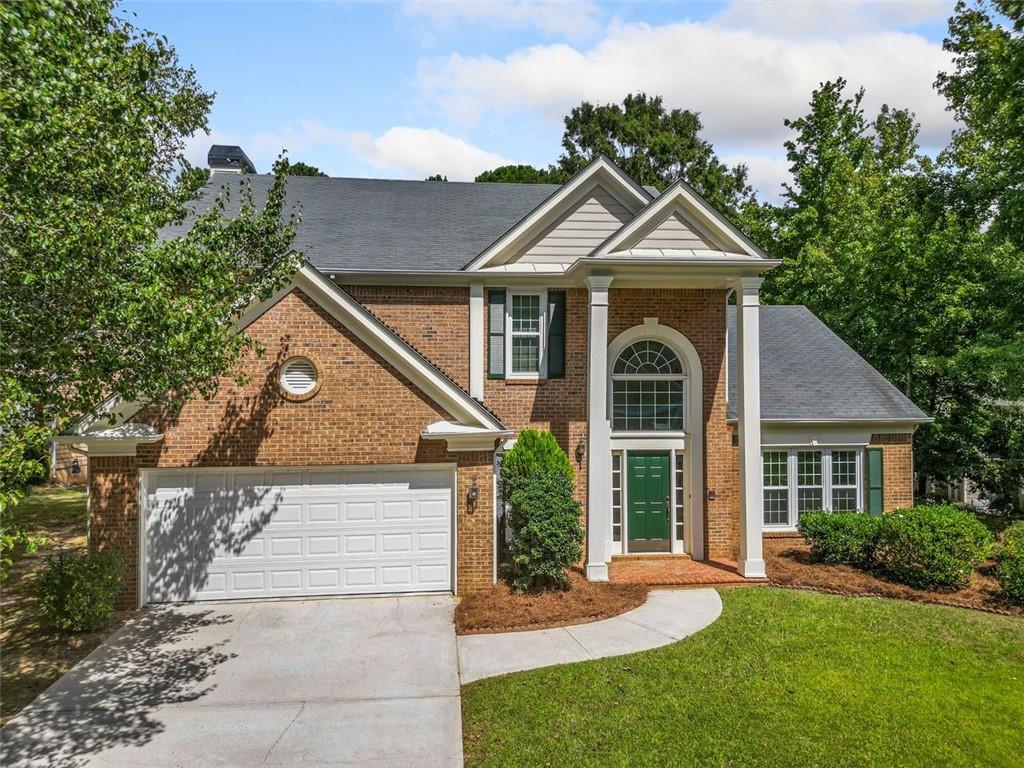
[841, 537]
[1010, 563]
[77, 592]
[932, 546]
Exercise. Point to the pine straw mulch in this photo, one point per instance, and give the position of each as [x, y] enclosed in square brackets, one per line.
[502, 609]
[789, 565]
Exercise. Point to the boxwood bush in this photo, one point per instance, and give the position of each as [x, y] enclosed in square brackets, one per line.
[1010, 563]
[547, 535]
[932, 546]
[77, 592]
[841, 537]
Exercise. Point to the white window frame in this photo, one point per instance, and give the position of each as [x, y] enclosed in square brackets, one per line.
[826, 480]
[681, 377]
[542, 335]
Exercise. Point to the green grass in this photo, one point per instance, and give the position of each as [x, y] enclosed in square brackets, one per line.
[48, 510]
[783, 678]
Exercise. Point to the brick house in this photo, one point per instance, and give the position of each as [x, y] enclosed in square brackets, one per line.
[434, 321]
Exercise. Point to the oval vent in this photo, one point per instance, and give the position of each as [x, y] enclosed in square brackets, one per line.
[298, 376]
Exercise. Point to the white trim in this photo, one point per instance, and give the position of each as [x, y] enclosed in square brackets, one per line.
[476, 340]
[691, 441]
[601, 168]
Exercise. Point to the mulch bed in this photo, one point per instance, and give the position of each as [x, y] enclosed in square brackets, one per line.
[502, 609]
[789, 565]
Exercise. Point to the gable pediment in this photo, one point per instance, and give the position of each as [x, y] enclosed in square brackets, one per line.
[570, 224]
[679, 223]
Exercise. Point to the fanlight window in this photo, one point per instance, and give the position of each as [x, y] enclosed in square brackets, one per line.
[648, 380]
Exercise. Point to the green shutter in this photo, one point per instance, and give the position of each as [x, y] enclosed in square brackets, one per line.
[496, 334]
[556, 335]
[875, 481]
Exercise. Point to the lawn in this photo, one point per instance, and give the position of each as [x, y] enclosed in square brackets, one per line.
[33, 655]
[783, 678]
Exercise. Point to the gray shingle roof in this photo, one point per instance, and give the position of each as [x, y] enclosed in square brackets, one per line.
[809, 373]
[383, 224]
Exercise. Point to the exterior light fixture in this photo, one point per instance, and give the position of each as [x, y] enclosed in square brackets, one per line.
[474, 492]
[76, 467]
[581, 449]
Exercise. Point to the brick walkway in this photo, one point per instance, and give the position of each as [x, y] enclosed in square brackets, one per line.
[675, 571]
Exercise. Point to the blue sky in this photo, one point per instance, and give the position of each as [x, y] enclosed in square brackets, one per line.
[407, 89]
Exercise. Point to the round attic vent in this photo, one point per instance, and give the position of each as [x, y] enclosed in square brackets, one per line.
[299, 376]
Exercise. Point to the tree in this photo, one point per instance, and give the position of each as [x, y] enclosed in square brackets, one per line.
[522, 174]
[873, 241]
[303, 169]
[436, 177]
[985, 90]
[92, 304]
[653, 145]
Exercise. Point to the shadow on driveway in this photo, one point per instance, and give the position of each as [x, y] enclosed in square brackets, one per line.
[107, 700]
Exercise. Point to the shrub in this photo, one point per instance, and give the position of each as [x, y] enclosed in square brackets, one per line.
[547, 533]
[534, 451]
[1010, 565]
[77, 592]
[932, 546]
[841, 537]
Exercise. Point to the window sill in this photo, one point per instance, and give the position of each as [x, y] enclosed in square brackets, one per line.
[524, 380]
[665, 434]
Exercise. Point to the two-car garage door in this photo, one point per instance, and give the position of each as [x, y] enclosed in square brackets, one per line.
[291, 532]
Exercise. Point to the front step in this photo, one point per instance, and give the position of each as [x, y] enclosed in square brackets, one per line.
[652, 556]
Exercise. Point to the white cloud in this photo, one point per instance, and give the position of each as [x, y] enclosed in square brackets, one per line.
[423, 152]
[744, 82]
[402, 151]
[832, 18]
[575, 19]
[765, 173]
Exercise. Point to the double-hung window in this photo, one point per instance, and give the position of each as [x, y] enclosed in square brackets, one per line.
[798, 480]
[526, 334]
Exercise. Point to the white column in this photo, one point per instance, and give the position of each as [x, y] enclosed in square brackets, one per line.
[748, 397]
[476, 340]
[599, 455]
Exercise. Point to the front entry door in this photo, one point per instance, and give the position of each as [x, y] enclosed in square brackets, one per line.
[647, 492]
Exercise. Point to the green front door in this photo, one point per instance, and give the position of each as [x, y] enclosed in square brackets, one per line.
[647, 494]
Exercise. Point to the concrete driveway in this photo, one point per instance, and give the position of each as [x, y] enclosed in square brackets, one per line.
[368, 682]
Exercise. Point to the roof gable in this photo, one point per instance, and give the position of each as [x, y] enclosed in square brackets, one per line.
[596, 200]
[679, 220]
[368, 329]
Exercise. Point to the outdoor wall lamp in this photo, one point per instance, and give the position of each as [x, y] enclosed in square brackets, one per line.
[581, 449]
[474, 492]
[76, 467]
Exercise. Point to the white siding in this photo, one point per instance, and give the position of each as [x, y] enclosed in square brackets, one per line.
[579, 232]
[674, 232]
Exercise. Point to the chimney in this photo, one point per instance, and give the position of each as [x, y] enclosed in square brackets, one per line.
[224, 158]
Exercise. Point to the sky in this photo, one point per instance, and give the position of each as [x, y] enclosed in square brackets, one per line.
[409, 89]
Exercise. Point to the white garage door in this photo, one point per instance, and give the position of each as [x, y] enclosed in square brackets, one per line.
[247, 533]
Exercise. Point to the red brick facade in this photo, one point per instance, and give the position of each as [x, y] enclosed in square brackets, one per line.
[897, 469]
[366, 412]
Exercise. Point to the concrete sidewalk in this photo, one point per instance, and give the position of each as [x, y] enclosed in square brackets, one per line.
[667, 616]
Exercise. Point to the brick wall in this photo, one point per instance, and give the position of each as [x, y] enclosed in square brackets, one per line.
[897, 469]
[700, 316]
[434, 319]
[364, 412]
[61, 471]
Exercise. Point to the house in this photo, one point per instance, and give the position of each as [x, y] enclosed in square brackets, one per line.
[433, 322]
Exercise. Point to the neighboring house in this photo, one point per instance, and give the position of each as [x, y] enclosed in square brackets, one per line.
[69, 464]
[431, 324]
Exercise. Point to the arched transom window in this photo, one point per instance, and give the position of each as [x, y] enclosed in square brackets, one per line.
[648, 380]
